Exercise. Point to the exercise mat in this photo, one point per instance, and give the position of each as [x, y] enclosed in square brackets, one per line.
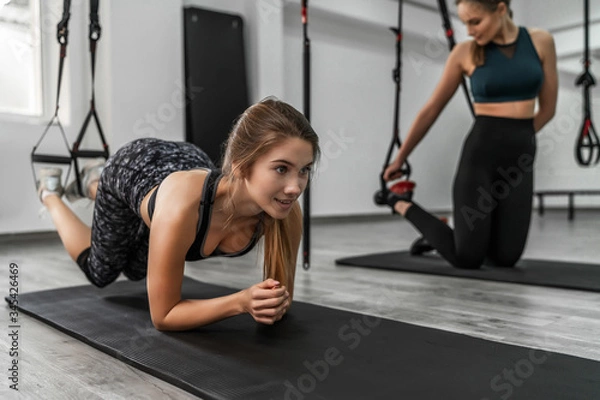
[561, 274]
[313, 353]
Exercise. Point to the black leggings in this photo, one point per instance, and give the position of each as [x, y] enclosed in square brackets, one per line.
[492, 195]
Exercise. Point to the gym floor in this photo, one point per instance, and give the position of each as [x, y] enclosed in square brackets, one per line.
[56, 366]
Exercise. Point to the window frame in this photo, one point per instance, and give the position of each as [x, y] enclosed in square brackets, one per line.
[41, 75]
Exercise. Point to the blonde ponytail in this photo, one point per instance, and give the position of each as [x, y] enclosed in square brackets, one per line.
[281, 246]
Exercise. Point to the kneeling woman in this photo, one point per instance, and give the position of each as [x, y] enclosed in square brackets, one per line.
[159, 204]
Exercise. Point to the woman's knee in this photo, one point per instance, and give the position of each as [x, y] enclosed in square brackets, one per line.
[97, 278]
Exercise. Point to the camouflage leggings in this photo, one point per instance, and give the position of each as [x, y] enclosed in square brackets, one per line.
[119, 235]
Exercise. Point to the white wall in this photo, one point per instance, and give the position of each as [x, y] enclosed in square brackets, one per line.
[139, 92]
[557, 13]
[146, 92]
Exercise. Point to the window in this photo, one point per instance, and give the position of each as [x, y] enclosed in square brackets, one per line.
[21, 55]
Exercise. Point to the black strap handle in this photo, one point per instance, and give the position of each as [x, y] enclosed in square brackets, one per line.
[306, 86]
[587, 146]
[95, 31]
[62, 35]
[51, 159]
[396, 140]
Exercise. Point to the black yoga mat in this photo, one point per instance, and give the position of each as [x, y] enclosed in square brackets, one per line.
[561, 274]
[313, 353]
[215, 76]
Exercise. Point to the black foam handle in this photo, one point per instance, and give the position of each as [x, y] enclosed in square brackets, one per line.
[50, 159]
[90, 153]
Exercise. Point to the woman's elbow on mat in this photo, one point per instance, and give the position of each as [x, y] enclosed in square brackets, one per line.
[161, 325]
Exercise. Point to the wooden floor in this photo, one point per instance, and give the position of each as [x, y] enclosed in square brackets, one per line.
[56, 366]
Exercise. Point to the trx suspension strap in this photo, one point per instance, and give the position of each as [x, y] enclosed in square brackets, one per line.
[94, 36]
[381, 195]
[75, 152]
[587, 147]
[451, 43]
[62, 34]
[306, 73]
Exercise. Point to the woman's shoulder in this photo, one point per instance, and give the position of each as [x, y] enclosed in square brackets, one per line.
[183, 189]
[539, 35]
[464, 47]
[536, 31]
[461, 55]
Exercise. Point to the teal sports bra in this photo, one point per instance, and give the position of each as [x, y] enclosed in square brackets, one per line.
[503, 78]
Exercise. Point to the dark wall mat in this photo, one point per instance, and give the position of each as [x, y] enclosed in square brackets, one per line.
[215, 75]
[314, 353]
[561, 274]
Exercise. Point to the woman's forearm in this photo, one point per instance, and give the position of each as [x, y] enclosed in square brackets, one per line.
[417, 131]
[540, 119]
[189, 314]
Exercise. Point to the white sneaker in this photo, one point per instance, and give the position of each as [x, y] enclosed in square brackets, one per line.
[90, 173]
[49, 182]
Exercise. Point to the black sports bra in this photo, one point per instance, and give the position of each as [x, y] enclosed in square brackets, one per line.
[209, 192]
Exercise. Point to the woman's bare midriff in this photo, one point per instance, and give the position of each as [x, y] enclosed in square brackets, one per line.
[514, 109]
